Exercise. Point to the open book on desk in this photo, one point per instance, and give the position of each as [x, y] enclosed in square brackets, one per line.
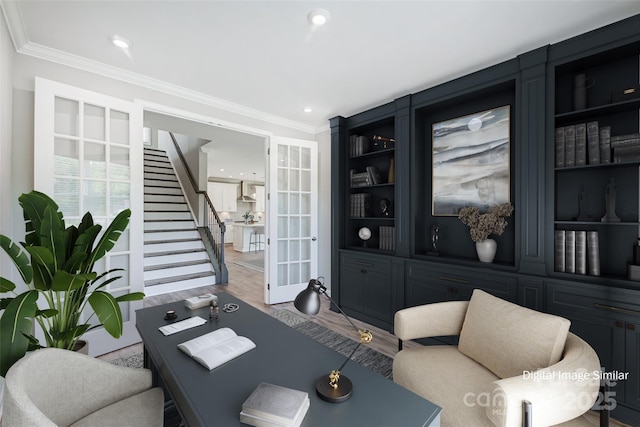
[217, 347]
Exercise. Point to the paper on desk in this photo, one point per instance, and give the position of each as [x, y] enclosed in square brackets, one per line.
[182, 325]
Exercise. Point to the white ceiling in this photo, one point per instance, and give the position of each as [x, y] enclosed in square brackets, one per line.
[263, 59]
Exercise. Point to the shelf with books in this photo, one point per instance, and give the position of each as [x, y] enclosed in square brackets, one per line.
[596, 173]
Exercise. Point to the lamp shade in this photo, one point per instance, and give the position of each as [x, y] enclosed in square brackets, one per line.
[308, 301]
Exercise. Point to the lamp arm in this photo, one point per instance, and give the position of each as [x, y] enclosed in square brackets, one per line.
[365, 335]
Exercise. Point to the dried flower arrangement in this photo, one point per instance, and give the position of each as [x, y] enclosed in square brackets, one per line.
[482, 225]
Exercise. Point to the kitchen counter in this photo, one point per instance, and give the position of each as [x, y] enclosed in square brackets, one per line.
[242, 234]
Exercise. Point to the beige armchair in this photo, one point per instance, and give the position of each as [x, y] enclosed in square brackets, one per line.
[54, 387]
[507, 355]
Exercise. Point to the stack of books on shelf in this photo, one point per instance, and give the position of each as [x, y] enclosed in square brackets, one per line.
[360, 205]
[577, 252]
[364, 179]
[582, 144]
[358, 145]
[274, 406]
[626, 148]
[387, 238]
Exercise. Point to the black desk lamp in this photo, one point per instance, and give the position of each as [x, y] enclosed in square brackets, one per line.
[332, 388]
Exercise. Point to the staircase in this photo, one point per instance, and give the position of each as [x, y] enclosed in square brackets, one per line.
[175, 257]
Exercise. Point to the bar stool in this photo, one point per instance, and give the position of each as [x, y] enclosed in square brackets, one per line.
[255, 239]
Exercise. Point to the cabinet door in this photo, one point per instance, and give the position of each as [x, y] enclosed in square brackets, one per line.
[260, 200]
[215, 190]
[230, 197]
[632, 390]
[365, 286]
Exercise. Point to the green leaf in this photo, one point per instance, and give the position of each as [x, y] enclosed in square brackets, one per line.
[52, 236]
[50, 312]
[108, 311]
[110, 237]
[18, 256]
[133, 296]
[33, 207]
[15, 327]
[42, 264]
[66, 282]
[6, 285]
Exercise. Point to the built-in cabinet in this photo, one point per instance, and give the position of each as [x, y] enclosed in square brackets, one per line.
[260, 199]
[224, 196]
[372, 278]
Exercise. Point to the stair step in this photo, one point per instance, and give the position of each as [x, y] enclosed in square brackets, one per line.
[161, 272]
[170, 235]
[150, 182]
[174, 252]
[197, 282]
[163, 258]
[159, 169]
[161, 190]
[176, 264]
[185, 277]
[170, 225]
[166, 216]
[172, 245]
[169, 177]
[165, 207]
[159, 160]
[164, 198]
[154, 151]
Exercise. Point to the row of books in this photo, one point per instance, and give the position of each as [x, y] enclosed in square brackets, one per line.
[360, 206]
[626, 148]
[582, 144]
[577, 252]
[371, 176]
[358, 145]
[387, 241]
[272, 405]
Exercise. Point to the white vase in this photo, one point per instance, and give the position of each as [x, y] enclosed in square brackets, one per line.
[486, 250]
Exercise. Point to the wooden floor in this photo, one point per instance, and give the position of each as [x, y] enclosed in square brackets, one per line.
[247, 284]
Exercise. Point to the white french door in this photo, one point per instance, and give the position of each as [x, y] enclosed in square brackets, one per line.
[88, 158]
[292, 218]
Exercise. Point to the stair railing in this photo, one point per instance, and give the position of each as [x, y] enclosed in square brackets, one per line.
[211, 225]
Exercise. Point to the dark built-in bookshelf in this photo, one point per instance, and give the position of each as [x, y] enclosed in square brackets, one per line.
[589, 280]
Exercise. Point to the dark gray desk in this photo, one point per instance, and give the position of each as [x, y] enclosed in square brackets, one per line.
[282, 356]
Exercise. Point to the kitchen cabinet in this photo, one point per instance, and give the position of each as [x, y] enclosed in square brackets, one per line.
[260, 199]
[224, 196]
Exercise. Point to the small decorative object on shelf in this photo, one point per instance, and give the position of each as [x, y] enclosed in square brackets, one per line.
[365, 234]
[482, 225]
[610, 200]
[435, 236]
[580, 85]
[634, 268]
[385, 208]
[392, 172]
[382, 142]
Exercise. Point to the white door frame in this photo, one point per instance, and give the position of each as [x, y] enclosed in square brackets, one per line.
[148, 106]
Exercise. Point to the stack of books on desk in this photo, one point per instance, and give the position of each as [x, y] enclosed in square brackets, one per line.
[274, 406]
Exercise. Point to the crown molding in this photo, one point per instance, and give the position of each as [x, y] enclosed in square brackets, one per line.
[23, 46]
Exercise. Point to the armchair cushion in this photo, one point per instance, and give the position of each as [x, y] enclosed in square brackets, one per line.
[509, 339]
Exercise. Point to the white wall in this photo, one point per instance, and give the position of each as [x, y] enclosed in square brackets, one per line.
[26, 68]
[6, 101]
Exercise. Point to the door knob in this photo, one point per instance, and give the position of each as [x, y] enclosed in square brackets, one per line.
[314, 238]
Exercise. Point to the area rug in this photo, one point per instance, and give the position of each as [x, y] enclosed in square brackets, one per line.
[256, 264]
[368, 357]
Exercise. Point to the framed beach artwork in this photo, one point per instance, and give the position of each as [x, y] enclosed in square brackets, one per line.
[471, 161]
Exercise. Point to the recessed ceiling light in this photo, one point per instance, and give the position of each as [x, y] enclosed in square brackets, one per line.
[121, 42]
[318, 17]
[241, 173]
[221, 170]
[307, 110]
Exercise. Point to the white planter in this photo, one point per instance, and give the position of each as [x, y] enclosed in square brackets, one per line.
[486, 250]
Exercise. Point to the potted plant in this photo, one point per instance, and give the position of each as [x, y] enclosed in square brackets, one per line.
[481, 225]
[56, 264]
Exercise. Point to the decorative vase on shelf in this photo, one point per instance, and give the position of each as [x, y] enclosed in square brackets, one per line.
[392, 172]
[486, 250]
